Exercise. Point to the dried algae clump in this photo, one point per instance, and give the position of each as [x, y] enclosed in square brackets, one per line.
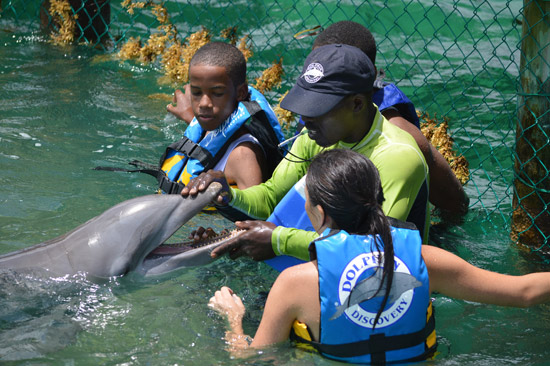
[155, 46]
[172, 63]
[163, 45]
[174, 55]
[270, 78]
[194, 42]
[245, 46]
[131, 5]
[230, 34]
[284, 116]
[176, 60]
[436, 133]
[131, 49]
[63, 17]
[161, 13]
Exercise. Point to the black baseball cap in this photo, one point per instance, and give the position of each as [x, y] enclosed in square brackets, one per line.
[330, 73]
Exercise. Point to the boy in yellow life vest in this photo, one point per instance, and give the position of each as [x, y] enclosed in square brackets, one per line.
[233, 130]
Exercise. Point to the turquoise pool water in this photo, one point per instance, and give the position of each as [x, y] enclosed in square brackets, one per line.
[64, 111]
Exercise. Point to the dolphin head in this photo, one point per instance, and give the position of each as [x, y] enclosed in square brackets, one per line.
[131, 230]
[116, 241]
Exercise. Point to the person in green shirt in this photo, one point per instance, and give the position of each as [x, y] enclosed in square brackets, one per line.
[334, 97]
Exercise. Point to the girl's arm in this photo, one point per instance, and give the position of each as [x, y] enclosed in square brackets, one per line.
[227, 303]
[285, 303]
[294, 296]
[454, 277]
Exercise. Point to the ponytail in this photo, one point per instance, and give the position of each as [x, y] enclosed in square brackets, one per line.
[347, 185]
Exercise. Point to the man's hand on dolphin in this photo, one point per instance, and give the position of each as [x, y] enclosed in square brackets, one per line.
[254, 243]
[201, 183]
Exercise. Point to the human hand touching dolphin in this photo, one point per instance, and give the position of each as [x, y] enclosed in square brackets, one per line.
[203, 181]
[254, 241]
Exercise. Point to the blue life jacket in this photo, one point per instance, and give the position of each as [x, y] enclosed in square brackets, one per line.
[388, 95]
[197, 152]
[290, 212]
[348, 288]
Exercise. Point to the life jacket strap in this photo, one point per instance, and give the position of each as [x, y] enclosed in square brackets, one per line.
[142, 168]
[377, 345]
[165, 184]
[191, 149]
[168, 186]
[252, 107]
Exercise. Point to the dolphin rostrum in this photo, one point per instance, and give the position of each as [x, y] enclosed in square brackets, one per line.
[366, 290]
[115, 242]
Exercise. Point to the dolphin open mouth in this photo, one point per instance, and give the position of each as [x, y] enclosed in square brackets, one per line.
[169, 257]
[177, 248]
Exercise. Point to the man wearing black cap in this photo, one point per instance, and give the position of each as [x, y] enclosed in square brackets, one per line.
[334, 97]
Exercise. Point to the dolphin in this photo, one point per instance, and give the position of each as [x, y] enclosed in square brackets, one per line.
[169, 257]
[367, 289]
[115, 242]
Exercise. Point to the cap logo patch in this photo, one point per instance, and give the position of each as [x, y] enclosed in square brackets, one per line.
[313, 73]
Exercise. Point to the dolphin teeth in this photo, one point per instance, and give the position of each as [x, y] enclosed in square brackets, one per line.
[176, 248]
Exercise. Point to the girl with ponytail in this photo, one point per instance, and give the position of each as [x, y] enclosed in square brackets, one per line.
[338, 184]
[365, 295]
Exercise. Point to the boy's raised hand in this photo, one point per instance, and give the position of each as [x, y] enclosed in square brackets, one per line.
[182, 108]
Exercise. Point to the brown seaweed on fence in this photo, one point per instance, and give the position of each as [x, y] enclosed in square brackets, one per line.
[286, 118]
[230, 34]
[271, 77]
[64, 20]
[174, 55]
[437, 133]
[67, 21]
[165, 45]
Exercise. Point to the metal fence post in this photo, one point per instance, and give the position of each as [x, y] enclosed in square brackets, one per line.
[531, 202]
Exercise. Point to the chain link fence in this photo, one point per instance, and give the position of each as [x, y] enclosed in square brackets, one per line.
[456, 60]
[531, 200]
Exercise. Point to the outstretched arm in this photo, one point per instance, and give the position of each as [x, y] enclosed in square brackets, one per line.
[294, 296]
[454, 277]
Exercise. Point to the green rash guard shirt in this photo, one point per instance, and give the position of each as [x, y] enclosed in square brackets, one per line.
[394, 152]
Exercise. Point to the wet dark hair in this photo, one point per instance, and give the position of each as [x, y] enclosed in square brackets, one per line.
[350, 33]
[224, 55]
[347, 186]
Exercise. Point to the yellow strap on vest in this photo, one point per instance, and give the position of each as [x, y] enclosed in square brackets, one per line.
[301, 330]
[170, 162]
[431, 340]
